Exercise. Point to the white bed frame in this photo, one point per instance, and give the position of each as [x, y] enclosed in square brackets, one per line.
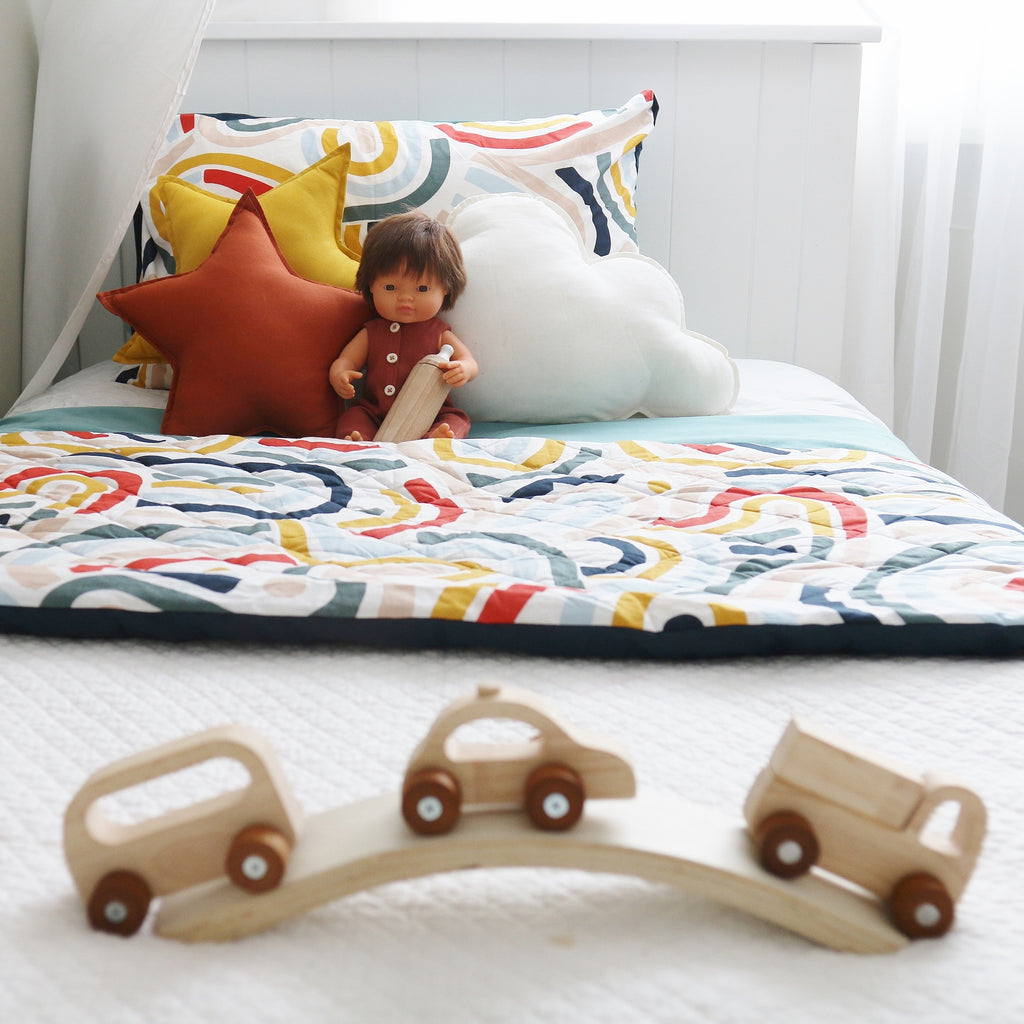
[745, 184]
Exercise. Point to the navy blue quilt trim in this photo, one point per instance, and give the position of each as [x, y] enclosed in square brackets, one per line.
[687, 641]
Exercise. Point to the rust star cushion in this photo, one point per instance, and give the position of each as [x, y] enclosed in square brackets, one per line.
[250, 340]
[304, 213]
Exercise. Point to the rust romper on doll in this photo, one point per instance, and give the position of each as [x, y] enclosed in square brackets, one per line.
[394, 349]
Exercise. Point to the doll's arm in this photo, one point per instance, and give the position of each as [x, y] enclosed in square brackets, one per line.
[462, 367]
[348, 366]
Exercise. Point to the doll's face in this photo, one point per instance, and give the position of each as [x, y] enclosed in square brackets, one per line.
[407, 298]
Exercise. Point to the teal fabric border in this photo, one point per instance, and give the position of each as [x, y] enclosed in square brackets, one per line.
[96, 418]
[769, 431]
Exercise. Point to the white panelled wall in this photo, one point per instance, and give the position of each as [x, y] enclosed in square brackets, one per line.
[745, 184]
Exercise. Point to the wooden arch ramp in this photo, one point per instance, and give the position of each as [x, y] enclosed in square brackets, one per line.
[661, 839]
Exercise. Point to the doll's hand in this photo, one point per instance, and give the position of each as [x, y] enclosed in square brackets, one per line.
[342, 380]
[454, 373]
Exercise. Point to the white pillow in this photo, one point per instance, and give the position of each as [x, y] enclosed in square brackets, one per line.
[562, 335]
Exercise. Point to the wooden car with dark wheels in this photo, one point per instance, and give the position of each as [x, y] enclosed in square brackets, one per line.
[247, 834]
[822, 802]
[550, 775]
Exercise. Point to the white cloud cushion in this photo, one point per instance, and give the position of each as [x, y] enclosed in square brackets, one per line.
[562, 335]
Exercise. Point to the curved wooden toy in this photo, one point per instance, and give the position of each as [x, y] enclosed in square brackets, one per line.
[666, 840]
[820, 802]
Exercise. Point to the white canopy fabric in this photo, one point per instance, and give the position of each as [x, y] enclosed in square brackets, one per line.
[112, 74]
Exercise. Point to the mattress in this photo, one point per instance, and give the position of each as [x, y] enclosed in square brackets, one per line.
[514, 944]
[511, 944]
[767, 387]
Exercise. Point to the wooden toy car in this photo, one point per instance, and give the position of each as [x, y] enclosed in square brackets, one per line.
[822, 801]
[549, 775]
[247, 834]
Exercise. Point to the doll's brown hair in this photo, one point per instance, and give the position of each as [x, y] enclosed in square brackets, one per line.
[420, 245]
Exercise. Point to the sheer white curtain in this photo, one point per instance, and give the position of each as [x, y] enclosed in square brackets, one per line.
[934, 325]
[111, 75]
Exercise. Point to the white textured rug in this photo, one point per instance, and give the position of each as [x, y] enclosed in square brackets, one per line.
[518, 945]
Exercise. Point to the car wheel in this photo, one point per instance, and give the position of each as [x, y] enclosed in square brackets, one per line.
[431, 801]
[786, 844]
[554, 797]
[921, 906]
[119, 903]
[257, 858]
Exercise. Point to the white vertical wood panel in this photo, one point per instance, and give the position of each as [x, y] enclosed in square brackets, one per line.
[745, 184]
[617, 72]
[289, 77]
[374, 79]
[778, 228]
[459, 79]
[714, 187]
[219, 83]
[828, 208]
[546, 77]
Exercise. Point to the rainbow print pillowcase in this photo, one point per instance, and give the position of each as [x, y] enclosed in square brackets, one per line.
[586, 164]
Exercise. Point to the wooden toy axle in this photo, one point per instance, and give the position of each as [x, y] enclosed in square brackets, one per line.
[419, 401]
[661, 839]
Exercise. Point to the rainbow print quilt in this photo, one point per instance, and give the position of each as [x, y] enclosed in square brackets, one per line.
[523, 543]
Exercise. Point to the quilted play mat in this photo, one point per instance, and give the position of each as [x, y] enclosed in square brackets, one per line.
[586, 548]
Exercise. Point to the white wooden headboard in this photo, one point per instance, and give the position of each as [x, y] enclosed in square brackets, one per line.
[745, 184]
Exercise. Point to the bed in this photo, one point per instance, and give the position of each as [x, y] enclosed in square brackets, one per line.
[679, 537]
[616, 495]
[764, 533]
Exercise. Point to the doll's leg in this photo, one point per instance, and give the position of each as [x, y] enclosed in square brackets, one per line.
[357, 419]
[454, 420]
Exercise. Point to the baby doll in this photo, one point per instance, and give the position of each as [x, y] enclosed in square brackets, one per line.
[411, 270]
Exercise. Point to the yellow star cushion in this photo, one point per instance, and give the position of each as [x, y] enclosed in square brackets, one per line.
[304, 214]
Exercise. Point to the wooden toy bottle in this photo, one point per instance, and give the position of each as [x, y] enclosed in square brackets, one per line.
[418, 402]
